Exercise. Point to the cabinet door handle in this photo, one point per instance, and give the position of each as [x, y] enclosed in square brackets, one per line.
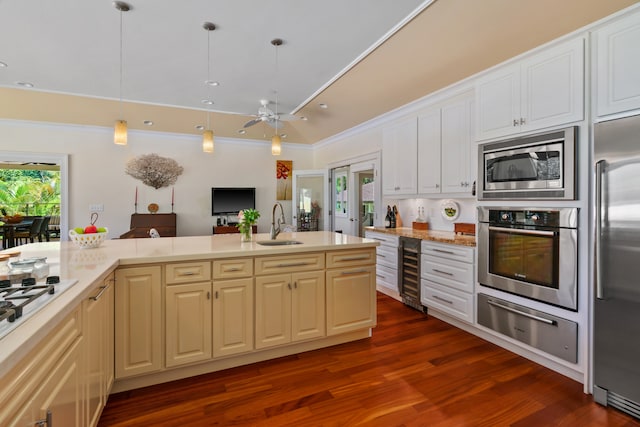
[515, 122]
[293, 264]
[208, 295]
[345, 273]
[443, 272]
[289, 286]
[523, 121]
[295, 285]
[216, 294]
[353, 258]
[48, 421]
[97, 297]
[442, 299]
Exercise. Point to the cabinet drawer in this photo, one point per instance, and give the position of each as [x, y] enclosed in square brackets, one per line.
[444, 250]
[450, 301]
[384, 239]
[387, 277]
[289, 264]
[351, 258]
[187, 272]
[232, 268]
[387, 256]
[456, 274]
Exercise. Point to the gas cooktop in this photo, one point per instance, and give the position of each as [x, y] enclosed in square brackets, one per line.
[20, 301]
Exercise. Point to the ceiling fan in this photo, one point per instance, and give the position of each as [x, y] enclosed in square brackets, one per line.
[266, 115]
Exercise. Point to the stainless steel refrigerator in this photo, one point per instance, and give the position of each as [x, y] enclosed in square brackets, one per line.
[616, 363]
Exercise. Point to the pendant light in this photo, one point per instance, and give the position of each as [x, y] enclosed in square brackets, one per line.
[276, 142]
[120, 129]
[207, 135]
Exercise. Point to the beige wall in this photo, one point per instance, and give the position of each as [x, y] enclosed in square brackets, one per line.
[96, 172]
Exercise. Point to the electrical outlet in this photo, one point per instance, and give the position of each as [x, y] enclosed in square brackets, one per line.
[96, 207]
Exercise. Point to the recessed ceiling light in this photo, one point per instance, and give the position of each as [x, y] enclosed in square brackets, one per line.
[24, 84]
[242, 131]
[283, 135]
[207, 102]
[323, 106]
[211, 83]
[303, 118]
[200, 127]
[3, 65]
[148, 122]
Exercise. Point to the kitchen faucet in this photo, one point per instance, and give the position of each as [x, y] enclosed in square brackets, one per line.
[275, 225]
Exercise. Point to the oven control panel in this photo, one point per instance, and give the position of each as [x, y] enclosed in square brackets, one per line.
[545, 218]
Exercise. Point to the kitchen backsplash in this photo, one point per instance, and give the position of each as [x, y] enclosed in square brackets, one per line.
[434, 211]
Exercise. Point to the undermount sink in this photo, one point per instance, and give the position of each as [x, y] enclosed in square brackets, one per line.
[278, 242]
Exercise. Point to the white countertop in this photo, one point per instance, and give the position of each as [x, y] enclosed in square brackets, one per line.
[88, 266]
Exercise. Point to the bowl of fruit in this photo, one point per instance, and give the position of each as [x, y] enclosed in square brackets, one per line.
[90, 236]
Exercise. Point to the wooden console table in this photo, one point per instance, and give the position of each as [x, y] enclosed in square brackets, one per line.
[227, 229]
[165, 223]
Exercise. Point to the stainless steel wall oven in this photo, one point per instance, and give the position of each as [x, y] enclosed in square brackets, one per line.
[531, 252]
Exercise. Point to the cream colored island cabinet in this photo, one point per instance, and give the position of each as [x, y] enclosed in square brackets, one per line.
[188, 313]
[232, 306]
[289, 306]
[138, 321]
[48, 386]
[98, 346]
[351, 290]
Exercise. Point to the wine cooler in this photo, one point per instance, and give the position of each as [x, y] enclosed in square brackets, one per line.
[409, 272]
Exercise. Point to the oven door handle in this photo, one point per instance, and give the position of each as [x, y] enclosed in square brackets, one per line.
[522, 231]
[523, 313]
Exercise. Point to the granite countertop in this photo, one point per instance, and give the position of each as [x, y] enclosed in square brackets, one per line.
[432, 235]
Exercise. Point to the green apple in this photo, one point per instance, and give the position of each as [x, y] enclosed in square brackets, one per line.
[79, 230]
[101, 230]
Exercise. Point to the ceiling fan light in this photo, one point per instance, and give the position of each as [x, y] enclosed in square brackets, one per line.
[120, 132]
[207, 141]
[276, 145]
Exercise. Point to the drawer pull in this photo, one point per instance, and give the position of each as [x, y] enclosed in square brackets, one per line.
[380, 275]
[381, 256]
[97, 297]
[442, 299]
[187, 273]
[442, 272]
[354, 258]
[293, 264]
[522, 313]
[346, 273]
[444, 252]
[227, 270]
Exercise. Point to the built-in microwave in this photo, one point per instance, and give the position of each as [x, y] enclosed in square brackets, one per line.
[533, 167]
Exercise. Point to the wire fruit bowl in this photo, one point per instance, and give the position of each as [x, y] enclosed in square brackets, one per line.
[88, 240]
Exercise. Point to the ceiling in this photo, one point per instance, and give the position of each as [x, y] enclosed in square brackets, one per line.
[361, 58]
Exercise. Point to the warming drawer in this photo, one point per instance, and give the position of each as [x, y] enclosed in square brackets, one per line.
[551, 334]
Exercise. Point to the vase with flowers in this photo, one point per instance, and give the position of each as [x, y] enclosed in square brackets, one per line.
[247, 218]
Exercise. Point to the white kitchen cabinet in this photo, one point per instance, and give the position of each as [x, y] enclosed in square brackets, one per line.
[399, 164]
[386, 261]
[138, 321]
[447, 279]
[617, 66]
[446, 148]
[98, 331]
[543, 90]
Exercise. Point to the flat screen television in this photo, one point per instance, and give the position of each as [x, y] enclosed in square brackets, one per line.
[231, 200]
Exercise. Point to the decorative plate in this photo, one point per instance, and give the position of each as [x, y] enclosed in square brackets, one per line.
[153, 207]
[450, 210]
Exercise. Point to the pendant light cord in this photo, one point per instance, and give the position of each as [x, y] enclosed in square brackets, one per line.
[121, 68]
[208, 82]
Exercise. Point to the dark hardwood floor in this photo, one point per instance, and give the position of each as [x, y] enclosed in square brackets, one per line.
[414, 371]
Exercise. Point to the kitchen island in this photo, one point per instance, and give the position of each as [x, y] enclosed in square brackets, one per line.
[183, 306]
